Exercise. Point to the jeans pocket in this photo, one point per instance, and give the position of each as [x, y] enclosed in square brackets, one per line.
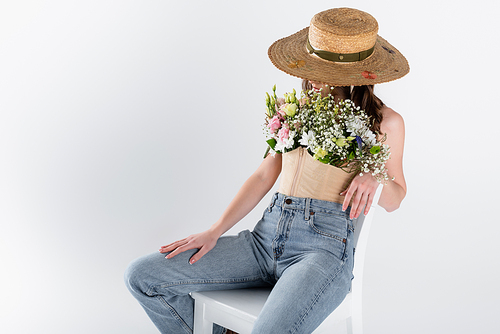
[332, 228]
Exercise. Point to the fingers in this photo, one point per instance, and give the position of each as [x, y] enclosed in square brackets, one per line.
[198, 255]
[358, 203]
[179, 250]
[177, 247]
[172, 246]
[359, 195]
[353, 197]
[204, 249]
[368, 204]
[348, 195]
[204, 242]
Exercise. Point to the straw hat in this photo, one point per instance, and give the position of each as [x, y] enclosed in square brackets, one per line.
[340, 48]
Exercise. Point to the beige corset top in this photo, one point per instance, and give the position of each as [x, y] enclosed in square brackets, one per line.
[304, 176]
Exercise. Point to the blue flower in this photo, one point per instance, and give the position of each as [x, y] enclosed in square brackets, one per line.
[359, 141]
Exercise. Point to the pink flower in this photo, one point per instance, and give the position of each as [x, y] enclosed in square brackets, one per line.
[274, 123]
[281, 110]
[283, 133]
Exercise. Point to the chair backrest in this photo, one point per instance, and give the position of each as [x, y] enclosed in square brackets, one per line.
[362, 226]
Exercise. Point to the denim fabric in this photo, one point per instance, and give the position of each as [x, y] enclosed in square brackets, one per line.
[301, 246]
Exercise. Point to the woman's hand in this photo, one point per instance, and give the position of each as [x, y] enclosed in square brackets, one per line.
[361, 190]
[203, 241]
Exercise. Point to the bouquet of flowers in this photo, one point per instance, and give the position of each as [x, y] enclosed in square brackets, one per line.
[338, 134]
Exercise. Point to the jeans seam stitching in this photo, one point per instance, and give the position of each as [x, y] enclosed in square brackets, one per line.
[175, 314]
[196, 282]
[316, 298]
[311, 223]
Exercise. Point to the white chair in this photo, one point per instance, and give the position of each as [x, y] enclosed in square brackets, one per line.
[238, 309]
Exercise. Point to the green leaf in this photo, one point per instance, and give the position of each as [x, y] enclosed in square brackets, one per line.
[375, 149]
[267, 151]
[324, 160]
[271, 142]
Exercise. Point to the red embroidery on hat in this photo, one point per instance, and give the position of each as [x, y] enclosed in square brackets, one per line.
[296, 64]
[369, 75]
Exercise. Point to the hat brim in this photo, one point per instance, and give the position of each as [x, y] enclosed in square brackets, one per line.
[385, 64]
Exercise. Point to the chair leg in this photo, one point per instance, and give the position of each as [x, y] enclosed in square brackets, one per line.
[201, 325]
[349, 325]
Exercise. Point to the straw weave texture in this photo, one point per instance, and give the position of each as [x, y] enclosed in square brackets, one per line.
[340, 30]
[343, 30]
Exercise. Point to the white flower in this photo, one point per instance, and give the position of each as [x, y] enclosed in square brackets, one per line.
[285, 143]
[357, 127]
[354, 125]
[291, 140]
[368, 136]
[307, 138]
[279, 146]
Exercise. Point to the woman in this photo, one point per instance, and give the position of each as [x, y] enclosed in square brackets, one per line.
[303, 244]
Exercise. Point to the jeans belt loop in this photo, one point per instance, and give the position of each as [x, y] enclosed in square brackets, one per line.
[307, 209]
[273, 200]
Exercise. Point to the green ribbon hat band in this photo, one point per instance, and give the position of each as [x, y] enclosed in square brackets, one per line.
[340, 57]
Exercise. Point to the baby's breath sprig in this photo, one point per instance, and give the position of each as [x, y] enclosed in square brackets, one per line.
[335, 133]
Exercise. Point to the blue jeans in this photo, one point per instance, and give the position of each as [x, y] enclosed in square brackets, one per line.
[301, 246]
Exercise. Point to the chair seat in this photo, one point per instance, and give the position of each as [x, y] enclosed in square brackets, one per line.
[238, 309]
[235, 309]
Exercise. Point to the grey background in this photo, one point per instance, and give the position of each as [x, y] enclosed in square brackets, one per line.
[125, 125]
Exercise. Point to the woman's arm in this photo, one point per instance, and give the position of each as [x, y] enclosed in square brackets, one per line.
[249, 195]
[362, 188]
[395, 190]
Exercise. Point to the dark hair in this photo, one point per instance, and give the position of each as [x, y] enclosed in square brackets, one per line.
[363, 97]
[306, 85]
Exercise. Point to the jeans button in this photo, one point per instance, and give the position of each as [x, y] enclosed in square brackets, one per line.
[288, 201]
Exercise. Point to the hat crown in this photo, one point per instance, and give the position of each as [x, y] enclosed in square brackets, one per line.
[343, 30]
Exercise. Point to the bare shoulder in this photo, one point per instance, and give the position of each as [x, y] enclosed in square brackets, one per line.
[392, 122]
